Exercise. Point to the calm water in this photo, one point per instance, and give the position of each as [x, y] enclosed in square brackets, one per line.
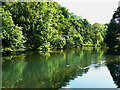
[86, 68]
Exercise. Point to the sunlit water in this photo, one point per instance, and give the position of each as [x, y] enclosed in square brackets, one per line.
[86, 68]
[95, 78]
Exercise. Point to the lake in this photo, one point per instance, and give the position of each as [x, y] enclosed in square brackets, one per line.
[84, 68]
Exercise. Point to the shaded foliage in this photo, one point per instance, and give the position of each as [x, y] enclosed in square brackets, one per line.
[113, 33]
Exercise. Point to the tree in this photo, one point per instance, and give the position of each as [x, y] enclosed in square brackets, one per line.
[113, 34]
[98, 33]
[47, 25]
[12, 36]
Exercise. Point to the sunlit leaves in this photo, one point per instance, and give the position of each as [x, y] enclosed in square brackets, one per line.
[47, 25]
[12, 36]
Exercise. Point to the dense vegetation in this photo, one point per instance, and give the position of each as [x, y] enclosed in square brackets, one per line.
[113, 33]
[46, 25]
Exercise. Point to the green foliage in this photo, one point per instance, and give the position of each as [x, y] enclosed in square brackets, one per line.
[12, 37]
[58, 42]
[113, 34]
[98, 31]
[46, 25]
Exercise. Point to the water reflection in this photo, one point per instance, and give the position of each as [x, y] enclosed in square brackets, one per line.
[50, 70]
[113, 64]
[115, 72]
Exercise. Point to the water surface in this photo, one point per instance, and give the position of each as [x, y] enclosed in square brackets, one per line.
[86, 68]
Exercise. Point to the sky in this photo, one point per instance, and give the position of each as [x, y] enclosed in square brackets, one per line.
[99, 11]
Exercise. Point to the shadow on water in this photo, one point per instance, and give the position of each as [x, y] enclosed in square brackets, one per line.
[50, 70]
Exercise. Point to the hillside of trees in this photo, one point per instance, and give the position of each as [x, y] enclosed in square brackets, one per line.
[47, 26]
[113, 33]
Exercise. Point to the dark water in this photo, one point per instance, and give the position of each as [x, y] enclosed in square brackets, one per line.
[86, 68]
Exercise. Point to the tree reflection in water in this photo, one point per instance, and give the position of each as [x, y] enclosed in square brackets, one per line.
[48, 70]
[114, 68]
[113, 64]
